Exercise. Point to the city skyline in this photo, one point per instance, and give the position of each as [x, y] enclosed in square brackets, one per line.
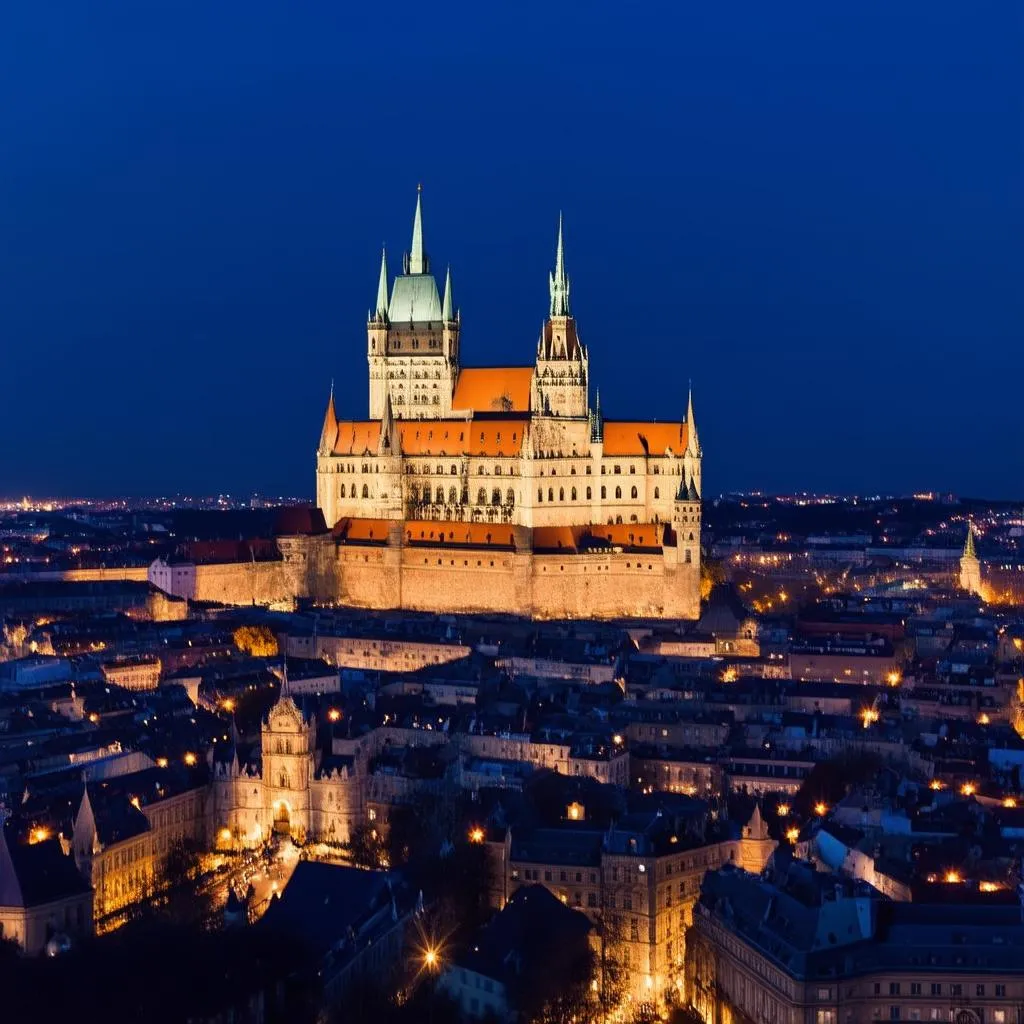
[815, 219]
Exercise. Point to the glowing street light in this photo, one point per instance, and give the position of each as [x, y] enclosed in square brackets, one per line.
[334, 715]
[793, 834]
[190, 759]
[893, 678]
[936, 785]
[868, 716]
[228, 704]
[968, 789]
[952, 877]
[820, 808]
[782, 810]
[476, 835]
[1009, 801]
[38, 835]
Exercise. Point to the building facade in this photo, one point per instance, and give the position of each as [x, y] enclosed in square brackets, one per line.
[541, 505]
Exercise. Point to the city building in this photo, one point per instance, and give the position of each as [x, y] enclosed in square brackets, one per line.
[501, 488]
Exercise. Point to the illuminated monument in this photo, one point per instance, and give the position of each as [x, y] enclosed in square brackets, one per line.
[500, 488]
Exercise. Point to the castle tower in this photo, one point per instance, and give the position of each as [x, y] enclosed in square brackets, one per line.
[412, 341]
[288, 743]
[694, 454]
[562, 369]
[970, 566]
[756, 846]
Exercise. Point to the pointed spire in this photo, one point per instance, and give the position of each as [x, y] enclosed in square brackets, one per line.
[390, 439]
[329, 431]
[381, 312]
[417, 262]
[597, 420]
[446, 312]
[969, 544]
[558, 282]
[692, 440]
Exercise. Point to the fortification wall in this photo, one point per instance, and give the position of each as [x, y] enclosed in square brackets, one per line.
[247, 583]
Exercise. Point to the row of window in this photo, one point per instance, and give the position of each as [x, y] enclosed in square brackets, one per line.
[935, 989]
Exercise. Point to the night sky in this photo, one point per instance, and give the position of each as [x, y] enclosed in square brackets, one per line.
[815, 210]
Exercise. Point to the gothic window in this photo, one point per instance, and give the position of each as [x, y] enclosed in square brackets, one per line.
[618, 492]
[572, 494]
[604, 493]
[561, 494]
[691, 536]
[588, 494]
[496, 496]
[414, 493]
[426, 495]
[618, 470]
[657, 493]
[440, 470]
[510, 497]
[481, 497]
[540, 494]
[455, 471]
[465, 495]
[342, 491]
[366, 491]
[497, 469]
[632, 470]
[453, 496]
[689, 557]
[633, 492]
[618, 519]
[551, 494]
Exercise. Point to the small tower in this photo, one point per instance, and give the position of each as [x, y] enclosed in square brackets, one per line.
[970, 566]
[562, 370]
[756, 846]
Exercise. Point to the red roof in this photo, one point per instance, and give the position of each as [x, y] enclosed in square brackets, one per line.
[493, 389]
[637, 438]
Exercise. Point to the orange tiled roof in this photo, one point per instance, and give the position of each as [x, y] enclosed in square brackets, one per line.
[630, 535]
[557, 538]
[427, 531]
[362, 531]
[493, 389]
[356, 437]
[634, 438]
[462, 437]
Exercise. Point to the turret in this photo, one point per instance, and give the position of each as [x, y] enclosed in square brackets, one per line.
[561, 374]
[970, 565]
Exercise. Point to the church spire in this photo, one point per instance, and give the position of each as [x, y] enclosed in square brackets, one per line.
[329, 431]
[969, 551]
[381, 312]
[692, 440]
[558, 282]
[446, 312]
[416, 262]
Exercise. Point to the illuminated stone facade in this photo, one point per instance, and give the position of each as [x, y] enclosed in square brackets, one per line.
[500, 488]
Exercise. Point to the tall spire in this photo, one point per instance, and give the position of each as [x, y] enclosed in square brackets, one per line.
[417, 262]
[558, 282]
[969, 544]
[381, 311]
[329, 431]
[446, 312]
[692, 440]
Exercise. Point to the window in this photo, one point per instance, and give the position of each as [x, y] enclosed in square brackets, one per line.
[481, 497]
[618, 492]
[979, 991]
[936, 988]
[591, 899]
[604, 492]
[878, 988]
[824, 993]
[572, 494]
[633, 493]
[540, 494]
[588, 494]
[366, 491]
[998, 1017]
[561, 494]
[657, 493]
[551, 494]
[894, 988]
[825, 1017]
[956, 990]
[1001, 991]
[894, 1013]
[915, 988]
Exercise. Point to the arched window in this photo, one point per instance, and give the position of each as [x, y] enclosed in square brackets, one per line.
[510, 497]
[427, 495]
[589, 493]
[604, 492]
[453, 496]
[572, 494]
[496, 496]
[657, 493]
[618, 492]
[366, 491]
[540, 494]
[481, 497]
[561, 494]
[689, 558]
[414, 494]
[551, 494]
[633, 492]
[342, 492]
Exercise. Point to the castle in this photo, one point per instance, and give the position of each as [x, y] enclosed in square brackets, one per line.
[498, 488]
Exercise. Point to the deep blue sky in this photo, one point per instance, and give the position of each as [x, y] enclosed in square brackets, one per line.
[812, 209]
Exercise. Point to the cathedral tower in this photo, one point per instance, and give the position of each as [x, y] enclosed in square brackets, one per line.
[562, 369]
[412, 339]
[970, 566]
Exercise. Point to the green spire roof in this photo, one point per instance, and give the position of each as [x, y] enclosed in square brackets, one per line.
[446, 313]
[558, 282]
[416, 262]
[381, 311]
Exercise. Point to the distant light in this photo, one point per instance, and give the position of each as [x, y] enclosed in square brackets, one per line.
[1009, 801]
[476, 835]
[161, 762]
[617, 739]
[893, 678]
[430, 958]
[190, 759]
[225, 835]
[334, 715]
[228, 704]
[792, 834]
[782, 810]
[936, 784]
[968, 789]
[820, 808]
[952, 877]
[989, 886]
[39, 835]
[983, 719]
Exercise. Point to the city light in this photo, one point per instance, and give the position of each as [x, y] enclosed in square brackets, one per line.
[476, 835]
[228, 704]
[952, 877]
[333, 715]
[161, 762]
[729, 675]
[868, 716]
[190, 759]
[968, 789]
[782, 810]
[893, 678]
[793, 834]
[983, 719]
[39, 835]
[820, 808]
[225, 835]
[1009, 801]
[936, 785]
[617, 739]
[989, 887]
